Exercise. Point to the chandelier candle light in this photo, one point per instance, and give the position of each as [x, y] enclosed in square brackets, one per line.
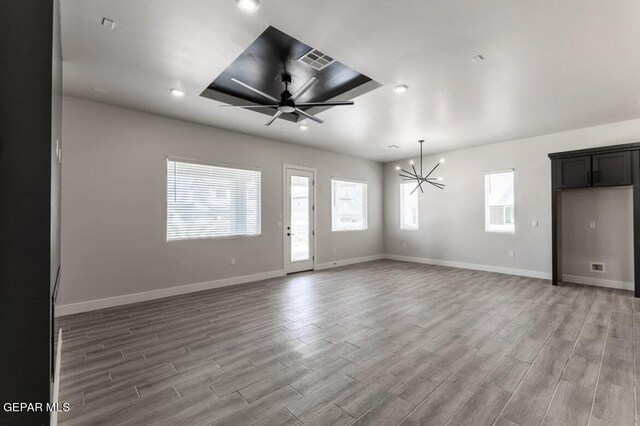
[407, 175]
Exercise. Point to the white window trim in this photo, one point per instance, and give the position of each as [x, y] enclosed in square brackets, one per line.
[366, 204]
[486, 217]
[215, 164]
[402, 228]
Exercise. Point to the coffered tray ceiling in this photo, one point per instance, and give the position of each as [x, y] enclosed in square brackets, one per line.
[273, 53]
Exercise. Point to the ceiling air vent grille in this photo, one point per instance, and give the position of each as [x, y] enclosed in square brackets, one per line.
[316, 59]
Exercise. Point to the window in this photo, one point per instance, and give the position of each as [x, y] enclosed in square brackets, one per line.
[348, 205]
[499, 202]
[207, 201]
[408, 206]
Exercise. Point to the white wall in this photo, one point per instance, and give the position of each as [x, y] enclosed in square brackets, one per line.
[610, 242]
[114, 211]
[452, 221]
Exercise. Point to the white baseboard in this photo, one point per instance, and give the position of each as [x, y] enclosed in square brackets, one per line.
[344, 262]
[92, 305]
[474, 266]
[600, 282]
[56, 380]
[108, 302]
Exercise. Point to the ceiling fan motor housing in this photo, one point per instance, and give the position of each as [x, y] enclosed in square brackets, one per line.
[286, 103]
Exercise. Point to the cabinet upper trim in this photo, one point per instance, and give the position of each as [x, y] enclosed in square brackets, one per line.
[596, 150]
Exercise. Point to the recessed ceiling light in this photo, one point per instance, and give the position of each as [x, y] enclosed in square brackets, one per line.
[108, 23]
[304, 127]
[400, 88]
[440, 178]
[477, 58]
[177, 92]
[397, 167]
[442, 160]
[411, 162]
[248, 5]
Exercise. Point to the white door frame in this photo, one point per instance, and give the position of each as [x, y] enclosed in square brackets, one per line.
[286, 166]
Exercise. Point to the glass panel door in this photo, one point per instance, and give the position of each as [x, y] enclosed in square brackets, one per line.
[299, 220]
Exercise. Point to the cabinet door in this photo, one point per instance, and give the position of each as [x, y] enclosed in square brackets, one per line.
[612, 169]
[575, 172]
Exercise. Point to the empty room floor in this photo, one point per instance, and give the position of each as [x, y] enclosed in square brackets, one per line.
[375, 343]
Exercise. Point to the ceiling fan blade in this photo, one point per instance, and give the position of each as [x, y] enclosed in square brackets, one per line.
[258, 91]
[329, 103]
[308, 85]
[276, 115]
[249, 106]
[309, 116]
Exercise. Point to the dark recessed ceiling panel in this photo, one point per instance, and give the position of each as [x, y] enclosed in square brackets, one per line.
[262, 64]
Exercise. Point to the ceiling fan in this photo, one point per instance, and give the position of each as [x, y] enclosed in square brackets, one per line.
[287, 102]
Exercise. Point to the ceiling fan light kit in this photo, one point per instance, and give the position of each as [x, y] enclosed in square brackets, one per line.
[414, 175]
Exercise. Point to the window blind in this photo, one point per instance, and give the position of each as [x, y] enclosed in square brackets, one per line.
[349, 205]
[499, 202]
[207, 201]
[408, 207]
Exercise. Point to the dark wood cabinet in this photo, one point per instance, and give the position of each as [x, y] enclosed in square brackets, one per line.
[575, 172]
[606, 169]
[617, 165]
[612, 169]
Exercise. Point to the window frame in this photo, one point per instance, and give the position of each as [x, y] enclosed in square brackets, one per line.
[365, 206]
[402, 226]
[487, 225]
[213, 164]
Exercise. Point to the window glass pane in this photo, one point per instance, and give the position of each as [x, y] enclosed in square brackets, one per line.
[499, 202]
[300, 219]
[349, 205]
[408, 206]
[205, 201]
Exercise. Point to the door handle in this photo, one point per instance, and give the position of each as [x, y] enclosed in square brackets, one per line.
[289, 234]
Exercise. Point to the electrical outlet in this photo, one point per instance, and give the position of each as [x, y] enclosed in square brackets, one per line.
[512, 254]
[233, 260]
[534, 223]
[592, 224]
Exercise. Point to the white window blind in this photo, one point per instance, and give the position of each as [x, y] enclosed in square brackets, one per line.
[499, 202]
[408, 206]
[207, 201]
[348, 206]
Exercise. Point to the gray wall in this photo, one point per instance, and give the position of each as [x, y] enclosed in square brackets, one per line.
[452, 221]
[114, 211]
[611, 241]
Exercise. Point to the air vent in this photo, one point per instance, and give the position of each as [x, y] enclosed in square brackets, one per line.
[597, 266]
[316, 59]
[108, 23]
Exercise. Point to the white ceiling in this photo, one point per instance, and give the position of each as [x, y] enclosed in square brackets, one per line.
[550, 65]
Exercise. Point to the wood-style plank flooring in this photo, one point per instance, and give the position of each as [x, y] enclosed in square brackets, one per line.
[380, 343]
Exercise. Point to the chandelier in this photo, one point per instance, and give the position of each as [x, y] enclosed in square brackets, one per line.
[410, 176]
